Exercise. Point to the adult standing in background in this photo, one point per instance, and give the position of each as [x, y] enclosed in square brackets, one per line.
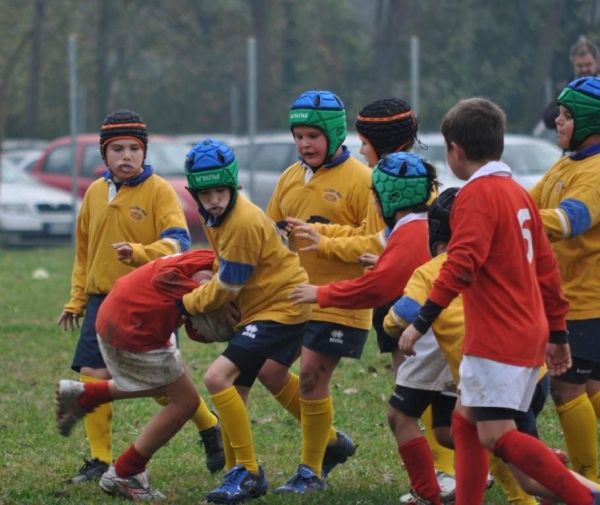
[585, 58]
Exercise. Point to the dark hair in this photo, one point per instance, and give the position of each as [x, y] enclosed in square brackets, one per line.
[389, 124]
[477, 125]
[583, 46]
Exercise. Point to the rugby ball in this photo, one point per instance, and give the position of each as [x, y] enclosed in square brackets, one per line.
[210, 328]
[208, 325]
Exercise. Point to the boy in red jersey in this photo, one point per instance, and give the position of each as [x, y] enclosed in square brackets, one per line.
[135, 324]
[500, 259]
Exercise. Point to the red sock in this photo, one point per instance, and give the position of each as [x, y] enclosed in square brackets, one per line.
[470, 462]
[131, 462]
[418, 461]
[94, 394]
[537, 461]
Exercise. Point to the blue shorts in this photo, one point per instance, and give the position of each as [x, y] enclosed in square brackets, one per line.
[87, 352]
[258, 341]
[386, 343]
[335, 339]
[413, 402]
[584, 336]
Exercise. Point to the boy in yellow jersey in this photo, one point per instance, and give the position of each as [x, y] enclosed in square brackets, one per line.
[384, 126]
[326, 185]
[568, 197]
[258, 271]
[419, 378]
[128, 217]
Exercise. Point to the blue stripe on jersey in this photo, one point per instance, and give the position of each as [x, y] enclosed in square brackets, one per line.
[234, 273]
[407, 308]
[578, 214]
[180, 234]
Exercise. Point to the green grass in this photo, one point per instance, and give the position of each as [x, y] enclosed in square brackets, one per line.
[35, 460]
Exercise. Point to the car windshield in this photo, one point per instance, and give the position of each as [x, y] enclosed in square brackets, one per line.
[10, 175]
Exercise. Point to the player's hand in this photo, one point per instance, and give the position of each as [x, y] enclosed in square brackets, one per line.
[368, 259]
[558, 358]
[228, 314]
[304, 293]
[124, 251]
[309, 233]
[69, 320]
[408, 339]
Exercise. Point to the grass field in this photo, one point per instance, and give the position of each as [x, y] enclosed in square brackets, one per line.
[36, 461]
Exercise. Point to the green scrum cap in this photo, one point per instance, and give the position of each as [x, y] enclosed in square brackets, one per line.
[211, 164]
[322, 110]
[400, 181]
[582, 98]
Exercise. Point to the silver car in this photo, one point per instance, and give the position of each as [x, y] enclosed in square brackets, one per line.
[31, 213]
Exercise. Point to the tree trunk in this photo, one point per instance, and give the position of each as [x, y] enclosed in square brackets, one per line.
[33, 96]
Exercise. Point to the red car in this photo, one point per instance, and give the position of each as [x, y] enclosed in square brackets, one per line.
[165, 154]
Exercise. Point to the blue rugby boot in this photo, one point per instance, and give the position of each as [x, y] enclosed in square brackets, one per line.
[239, 485]
[338, 453]
[305, 481]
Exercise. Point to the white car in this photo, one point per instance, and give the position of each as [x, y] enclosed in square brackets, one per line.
[528, 157]
[31, 213]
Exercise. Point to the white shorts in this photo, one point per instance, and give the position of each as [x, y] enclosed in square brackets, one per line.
[140, 371]
[427, 369]
[488, 383]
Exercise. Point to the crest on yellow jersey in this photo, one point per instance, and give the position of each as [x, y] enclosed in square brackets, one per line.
[331, 195]
[137, 213]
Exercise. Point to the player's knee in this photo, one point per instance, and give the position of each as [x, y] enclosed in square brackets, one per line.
[309, 379]
[214, 380]
[393, 419]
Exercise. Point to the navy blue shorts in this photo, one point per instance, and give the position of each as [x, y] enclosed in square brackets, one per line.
[335, 339]
[584, 336]
[87, 352]
[413, 402]
[386, 343]
[270, 340]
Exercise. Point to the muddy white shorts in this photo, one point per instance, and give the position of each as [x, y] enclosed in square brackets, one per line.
[488, 383]
[140, 371]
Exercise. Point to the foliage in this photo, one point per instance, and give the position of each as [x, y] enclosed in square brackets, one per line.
[181, 63]
[36, 461]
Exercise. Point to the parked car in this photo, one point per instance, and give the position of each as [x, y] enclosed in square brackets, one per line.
[165, 154]
[31, 213]
[527, 156]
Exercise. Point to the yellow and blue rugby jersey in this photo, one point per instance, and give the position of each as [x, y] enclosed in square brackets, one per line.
[148, 215]
[348, 243]
[568, 197]
[448, 328]
[255, 268]
[339, 195]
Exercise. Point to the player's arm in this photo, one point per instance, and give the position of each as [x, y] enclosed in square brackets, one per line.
[173, 236]
[577, 212]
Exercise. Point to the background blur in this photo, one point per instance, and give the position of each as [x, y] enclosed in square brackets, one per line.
[182, 63]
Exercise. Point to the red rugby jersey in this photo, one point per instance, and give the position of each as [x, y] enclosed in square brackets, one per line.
[500, 259]
[139, 314]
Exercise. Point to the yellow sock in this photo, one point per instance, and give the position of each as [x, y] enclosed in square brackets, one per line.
[289, 398]
[595, 401]
[203, 418]
[236, 424]
[504, 477]
[98, 428]
[228, 450]
[317, 416]
[578, 421]
[443, 458]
